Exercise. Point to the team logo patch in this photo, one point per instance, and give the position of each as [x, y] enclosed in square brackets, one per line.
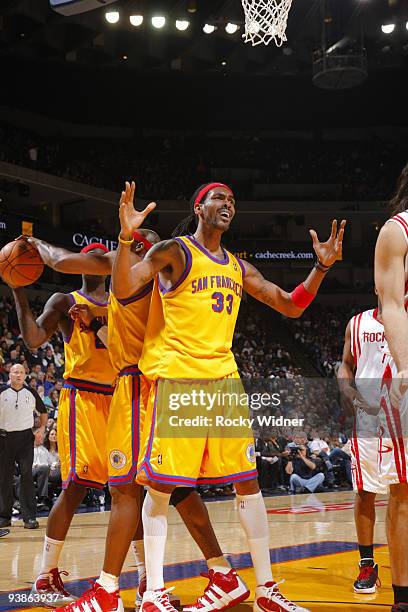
[117, 459]
[250, 453]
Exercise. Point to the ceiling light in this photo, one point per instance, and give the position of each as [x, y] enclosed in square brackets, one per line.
[208, 29]
[124, 57]
[158, 22]
[224, 63]
[182, 24]
[136, 20]
[112, 16]
[388, 28]
[231, 28]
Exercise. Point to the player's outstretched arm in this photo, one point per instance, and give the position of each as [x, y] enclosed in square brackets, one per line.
[69, 262]
[294, 304]
[165, 256]
[389, 268]
[37, 331]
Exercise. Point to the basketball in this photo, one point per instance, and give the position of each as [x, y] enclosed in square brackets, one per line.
[20, 263]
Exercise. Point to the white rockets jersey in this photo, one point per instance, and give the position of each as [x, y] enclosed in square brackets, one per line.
[371, 354]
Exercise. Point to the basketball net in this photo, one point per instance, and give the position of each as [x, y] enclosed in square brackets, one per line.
[266, 20]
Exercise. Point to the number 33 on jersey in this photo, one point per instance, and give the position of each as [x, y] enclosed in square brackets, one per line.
[200, 311]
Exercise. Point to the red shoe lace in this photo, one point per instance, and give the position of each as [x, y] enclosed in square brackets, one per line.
[274, 591]
[55, 581]
[366, 573]
[163, 599]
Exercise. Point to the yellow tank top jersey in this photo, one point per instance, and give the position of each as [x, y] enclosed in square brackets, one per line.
[194, 330]
[127, 321]
[86, 358]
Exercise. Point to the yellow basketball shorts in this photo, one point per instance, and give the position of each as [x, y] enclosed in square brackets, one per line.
[188, 461]
[126, 417]
[82, 430]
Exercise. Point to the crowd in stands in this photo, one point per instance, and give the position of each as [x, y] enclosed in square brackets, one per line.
[171, 166]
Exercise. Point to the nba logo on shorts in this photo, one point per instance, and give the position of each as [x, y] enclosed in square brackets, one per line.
[160, 459]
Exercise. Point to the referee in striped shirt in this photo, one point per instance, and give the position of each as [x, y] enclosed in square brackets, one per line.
[17, 405]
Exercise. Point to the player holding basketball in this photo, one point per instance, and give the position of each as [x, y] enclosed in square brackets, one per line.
[200, 291]
[365, 359]
[124, 336]
[391, 277]
[82, 414]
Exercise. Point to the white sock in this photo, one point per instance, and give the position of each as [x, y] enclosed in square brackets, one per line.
[154, 514]
[109, 582]
[51, 554]
[139, 554]
[252, 514]
[219, 564]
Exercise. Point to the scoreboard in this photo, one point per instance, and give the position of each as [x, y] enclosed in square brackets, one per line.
[74, 7]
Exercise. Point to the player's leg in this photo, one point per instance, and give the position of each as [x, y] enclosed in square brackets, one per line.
[124, 516]
[366, 483]
[397, 536]
[82, 421]
[364, 517]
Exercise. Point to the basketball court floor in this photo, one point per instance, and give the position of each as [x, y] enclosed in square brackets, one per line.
[313, 546]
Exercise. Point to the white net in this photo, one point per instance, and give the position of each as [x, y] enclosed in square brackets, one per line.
[266, 20]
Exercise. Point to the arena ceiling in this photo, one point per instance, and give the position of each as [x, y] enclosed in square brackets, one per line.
[29, 29]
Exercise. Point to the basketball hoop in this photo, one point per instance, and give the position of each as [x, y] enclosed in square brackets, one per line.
[266, 20]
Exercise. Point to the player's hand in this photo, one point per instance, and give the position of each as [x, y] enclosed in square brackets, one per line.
[399, 387]
[130, 218]
[82, 313]
[353, 400]
[330, 251]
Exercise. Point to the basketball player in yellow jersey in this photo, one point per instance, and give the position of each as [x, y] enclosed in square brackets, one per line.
[200, 290]
[82, 415]
[124, 336]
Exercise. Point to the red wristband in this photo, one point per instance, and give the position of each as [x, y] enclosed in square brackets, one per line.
[147, 244]
[301, 297]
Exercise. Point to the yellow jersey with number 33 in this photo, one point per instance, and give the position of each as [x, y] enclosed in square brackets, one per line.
[199, 314]
[86, 357]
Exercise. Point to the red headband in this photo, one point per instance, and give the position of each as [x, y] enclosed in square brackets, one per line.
[146, 243]
[93, 246]
[208, 188]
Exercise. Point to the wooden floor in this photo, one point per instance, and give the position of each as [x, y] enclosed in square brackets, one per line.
[313, 547]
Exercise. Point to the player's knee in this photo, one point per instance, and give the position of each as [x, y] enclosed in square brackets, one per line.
[249, 487]
[366, 497]
[74, 493]
[399, 494]
[122, 492]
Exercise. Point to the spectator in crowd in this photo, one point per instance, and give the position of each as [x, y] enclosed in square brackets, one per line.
[41, 469]
[303, 472]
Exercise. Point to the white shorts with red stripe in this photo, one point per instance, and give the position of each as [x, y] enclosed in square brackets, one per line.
[393, 442]
[365, 465]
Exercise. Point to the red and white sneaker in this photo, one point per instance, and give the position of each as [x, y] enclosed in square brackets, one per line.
[157, 601]
[222, 592]
[268, 598]
[49, 590]
[174, 600]
[96, 599]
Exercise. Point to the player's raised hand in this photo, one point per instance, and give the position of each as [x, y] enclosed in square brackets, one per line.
[130, 218]
[330, 251]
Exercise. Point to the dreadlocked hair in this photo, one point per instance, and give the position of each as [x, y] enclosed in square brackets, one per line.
[188, 225]
[399, 201]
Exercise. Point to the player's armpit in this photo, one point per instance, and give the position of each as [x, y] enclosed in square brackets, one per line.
[263, 290]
